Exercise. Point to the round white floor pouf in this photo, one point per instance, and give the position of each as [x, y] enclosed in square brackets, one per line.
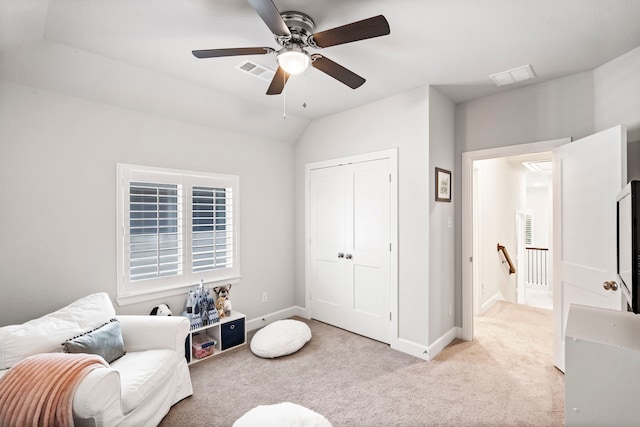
[280, 338]
[284, 414]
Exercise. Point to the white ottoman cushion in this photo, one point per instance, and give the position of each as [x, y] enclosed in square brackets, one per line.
[280, 338]
[284, 414]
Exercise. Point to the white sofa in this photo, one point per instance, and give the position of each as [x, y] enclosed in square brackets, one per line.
[139, 388]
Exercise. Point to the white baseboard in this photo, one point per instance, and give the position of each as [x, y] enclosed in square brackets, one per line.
[261, 321]
[444, 340]
[490, 302]
[410, 347]
[403, 345]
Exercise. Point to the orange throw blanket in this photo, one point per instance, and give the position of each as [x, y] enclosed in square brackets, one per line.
[38, 391]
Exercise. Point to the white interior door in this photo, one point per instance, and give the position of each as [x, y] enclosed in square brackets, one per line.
[350, 254]
[328, 230]
[587, 176]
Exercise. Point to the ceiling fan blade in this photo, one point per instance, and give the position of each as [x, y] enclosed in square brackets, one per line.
[271, 16]
[367, 28]
[277, 83]
[216, 53]
[337, 71]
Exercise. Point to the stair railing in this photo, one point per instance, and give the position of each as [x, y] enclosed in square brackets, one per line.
[505, 253]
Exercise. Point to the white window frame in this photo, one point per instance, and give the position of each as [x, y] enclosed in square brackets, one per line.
[129, 292]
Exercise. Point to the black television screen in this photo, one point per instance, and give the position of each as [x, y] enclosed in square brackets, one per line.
[628, 241]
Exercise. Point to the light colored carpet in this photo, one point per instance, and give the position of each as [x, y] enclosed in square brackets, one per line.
[504, 377]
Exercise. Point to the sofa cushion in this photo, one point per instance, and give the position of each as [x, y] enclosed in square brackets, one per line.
[141, 374]
[105, 341]
[44, 335]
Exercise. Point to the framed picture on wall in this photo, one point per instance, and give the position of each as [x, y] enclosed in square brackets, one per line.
[443, 185]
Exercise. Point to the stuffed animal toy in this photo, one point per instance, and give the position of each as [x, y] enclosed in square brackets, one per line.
[222, 292]
[220, 307]
[161, 310]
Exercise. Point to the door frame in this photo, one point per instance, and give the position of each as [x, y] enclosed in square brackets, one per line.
[467, 175]
[392, 155]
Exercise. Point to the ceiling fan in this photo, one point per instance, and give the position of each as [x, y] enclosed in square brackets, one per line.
[294, 31]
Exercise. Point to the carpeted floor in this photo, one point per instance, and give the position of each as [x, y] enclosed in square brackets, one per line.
[503, 378]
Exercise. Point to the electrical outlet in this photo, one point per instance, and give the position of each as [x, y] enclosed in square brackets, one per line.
[265, 297]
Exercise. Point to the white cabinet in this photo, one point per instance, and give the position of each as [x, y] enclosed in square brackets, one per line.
[224, 335]
[602, 367]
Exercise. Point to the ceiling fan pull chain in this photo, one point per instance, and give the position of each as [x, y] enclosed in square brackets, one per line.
[304, 90]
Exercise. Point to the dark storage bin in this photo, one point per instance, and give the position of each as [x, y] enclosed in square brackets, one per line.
[232, 333]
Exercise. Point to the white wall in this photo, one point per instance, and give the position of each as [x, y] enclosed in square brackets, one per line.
[58, 158]
[556, 109]
[441, 232]
[616, 87]
[501, 195]
[401, 121]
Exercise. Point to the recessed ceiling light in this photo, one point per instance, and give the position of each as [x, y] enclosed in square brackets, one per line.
[512, 76]
[539, 166]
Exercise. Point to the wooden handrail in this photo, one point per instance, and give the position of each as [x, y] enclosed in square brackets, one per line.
[512, 268]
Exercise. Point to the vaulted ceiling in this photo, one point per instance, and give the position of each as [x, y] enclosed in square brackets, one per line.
[136, 54]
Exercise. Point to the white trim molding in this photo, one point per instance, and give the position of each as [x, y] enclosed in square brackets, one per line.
[259, 322]
[442, 342]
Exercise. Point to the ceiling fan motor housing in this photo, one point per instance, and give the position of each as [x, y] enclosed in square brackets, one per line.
[301, 27]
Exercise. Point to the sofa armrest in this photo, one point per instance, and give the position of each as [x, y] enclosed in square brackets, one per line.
[154, 332]
[97, 399]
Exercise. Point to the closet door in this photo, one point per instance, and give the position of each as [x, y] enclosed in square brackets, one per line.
[350, 247]
[327, 210]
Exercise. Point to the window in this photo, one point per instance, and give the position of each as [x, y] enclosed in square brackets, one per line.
[175, 228]
[528, 229]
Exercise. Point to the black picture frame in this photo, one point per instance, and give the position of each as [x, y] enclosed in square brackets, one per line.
[443, 185]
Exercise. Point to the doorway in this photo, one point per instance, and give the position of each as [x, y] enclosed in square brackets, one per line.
[512, 213]
[473, 234]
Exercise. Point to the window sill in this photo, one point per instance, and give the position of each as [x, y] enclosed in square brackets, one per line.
[152, 294]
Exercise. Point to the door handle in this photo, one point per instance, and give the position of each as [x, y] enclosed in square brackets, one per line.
[348, 256]
[340, 255]
[611, 285]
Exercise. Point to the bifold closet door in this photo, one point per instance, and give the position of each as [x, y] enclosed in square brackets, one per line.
[349, 247]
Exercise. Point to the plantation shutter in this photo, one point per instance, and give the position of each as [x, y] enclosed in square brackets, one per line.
[528, 229]
[155, 238]
[212, 228]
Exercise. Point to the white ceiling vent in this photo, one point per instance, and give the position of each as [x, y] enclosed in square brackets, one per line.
[256, 70]
[512, 76]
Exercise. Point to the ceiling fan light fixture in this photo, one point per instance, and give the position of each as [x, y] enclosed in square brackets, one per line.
[293, 60]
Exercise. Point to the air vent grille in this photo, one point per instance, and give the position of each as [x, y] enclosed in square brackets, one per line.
[513, 76]
[256, 70]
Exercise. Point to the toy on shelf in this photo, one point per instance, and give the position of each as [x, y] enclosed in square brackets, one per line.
[201, 310]
[223, 304]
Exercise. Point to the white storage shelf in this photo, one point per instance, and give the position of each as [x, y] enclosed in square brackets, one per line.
[230, 332]
[602, 367]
